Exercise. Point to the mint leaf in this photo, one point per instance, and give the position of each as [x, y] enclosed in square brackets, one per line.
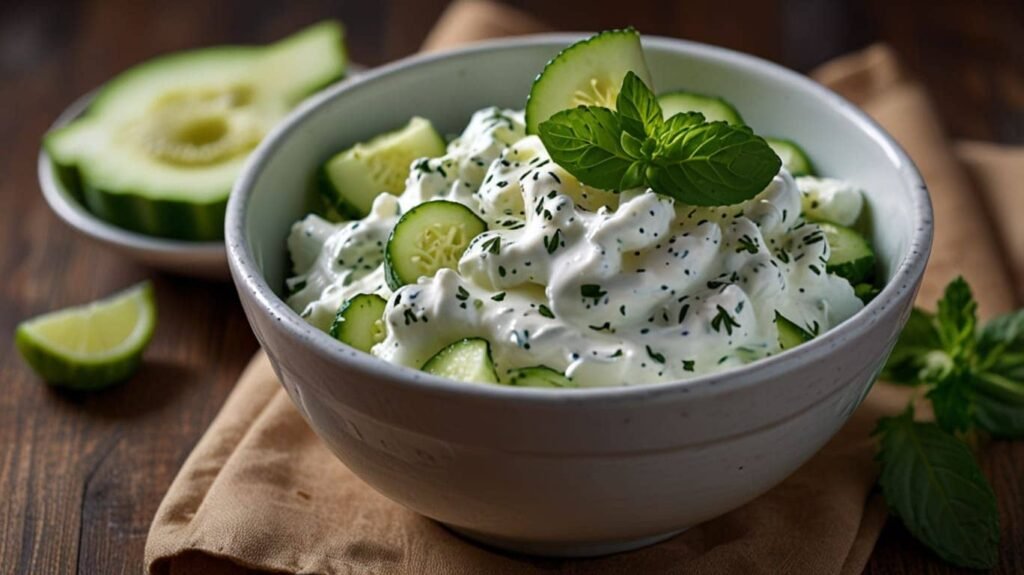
[918, 339]
[676, 128]
[638, 107]
[586, 141]
[957, 318]
[1002, 419]
[952, 397]
[931, 481]
[1001, 346]
[712, 164]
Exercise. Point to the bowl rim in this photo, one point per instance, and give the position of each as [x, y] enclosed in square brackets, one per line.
[74, 214]
[248, 277]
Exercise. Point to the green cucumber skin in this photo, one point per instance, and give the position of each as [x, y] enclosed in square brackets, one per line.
[539, 377]
[858, 270]
[165, 218]
[60, 373]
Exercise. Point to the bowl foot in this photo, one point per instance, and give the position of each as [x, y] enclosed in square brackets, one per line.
[562, 549]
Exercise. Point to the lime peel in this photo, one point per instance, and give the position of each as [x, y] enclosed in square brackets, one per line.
[90, 346]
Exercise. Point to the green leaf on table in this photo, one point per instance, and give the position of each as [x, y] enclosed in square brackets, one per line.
[586, 141]
[957, 319]
[931, 481]
[1000, 418]
[917, 340]
[713, 164]
[638, 107]
[952, 397]
[1001, 345]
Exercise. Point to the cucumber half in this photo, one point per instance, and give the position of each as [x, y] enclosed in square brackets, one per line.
[465, 360]
[353, 178]
[794, 158]
[359, 322]
[790, 334]
[587, 73]
[715, 109]
[427, 238]
[850, 254]
[162, 143]
[539, 376]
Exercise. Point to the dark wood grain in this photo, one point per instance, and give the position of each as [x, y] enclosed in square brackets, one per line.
[82, 475]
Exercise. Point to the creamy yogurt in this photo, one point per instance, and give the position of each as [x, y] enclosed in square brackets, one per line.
[612, 289]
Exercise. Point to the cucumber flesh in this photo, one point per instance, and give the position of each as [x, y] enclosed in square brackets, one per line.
[539, 376]
[353, 178]
[794, 158]
[162, 143]
[715, 109]
[790, 334]
[587, 73]
[429, 237]
[850, 254]
[359, 322]
[465, 360]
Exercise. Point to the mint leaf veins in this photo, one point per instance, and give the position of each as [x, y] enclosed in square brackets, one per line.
[684, 157]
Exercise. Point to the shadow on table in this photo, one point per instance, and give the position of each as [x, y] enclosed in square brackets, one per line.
[154, 386]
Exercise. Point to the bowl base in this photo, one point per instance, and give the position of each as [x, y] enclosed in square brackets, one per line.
[562, 549]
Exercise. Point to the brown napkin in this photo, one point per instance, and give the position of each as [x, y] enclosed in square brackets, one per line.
[261, 493]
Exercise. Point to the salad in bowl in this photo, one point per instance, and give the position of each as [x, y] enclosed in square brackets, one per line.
[605, 236]
[576, 312]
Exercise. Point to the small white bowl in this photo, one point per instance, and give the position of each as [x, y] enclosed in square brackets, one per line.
[584, 471]
[196, 259]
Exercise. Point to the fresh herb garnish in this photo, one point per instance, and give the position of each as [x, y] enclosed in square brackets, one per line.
[684, 157]
[975, 381]
[723, 319]
[545, 311]
[592, 291]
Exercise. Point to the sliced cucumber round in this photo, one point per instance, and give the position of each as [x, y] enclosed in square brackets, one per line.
[850, 255]
[715, 109]
[353, 178]
[539, 376]
[587, 73]
[359, 321]
[794, 158]
[429, 237]
[465, 360]
[161, 144]
[790, 334]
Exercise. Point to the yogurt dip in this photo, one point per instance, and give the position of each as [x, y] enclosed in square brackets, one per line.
[610, 288]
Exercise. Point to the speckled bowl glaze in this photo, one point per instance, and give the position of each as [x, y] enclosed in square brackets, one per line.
[573, 472]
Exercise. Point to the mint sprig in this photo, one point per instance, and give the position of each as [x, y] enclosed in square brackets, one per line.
[694, 161]
[931, 481]
[974, 379]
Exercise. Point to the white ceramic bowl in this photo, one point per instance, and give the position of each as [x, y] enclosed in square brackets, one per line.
[573, 472]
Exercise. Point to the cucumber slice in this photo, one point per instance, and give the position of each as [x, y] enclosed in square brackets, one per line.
[790, 334]
[715, 109]
[587, 73]
[90, 346]
[539, 376]
[352, 179]
[866, 292]
[794, 158]
[429, 237]
[465, 360]
[851, 256]
[359, 321]
[162, 143]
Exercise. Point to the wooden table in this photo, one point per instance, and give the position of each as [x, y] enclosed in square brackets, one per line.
[81, 475]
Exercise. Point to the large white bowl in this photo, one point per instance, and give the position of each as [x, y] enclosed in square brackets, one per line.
[573, 472]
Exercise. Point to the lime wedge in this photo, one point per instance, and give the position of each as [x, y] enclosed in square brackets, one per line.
[92, 345]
